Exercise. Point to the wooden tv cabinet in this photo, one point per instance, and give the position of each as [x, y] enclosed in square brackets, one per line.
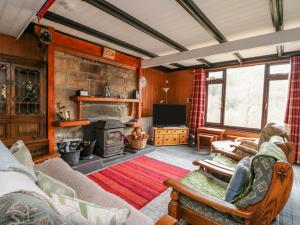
[170, 135]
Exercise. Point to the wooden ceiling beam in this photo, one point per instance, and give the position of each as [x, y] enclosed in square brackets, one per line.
[132, 21]
[274, 38]
[87, 30]
[276, 10]
[203, 20]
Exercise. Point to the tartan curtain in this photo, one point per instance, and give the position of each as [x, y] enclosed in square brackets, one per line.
[197, 114]
[292, 116]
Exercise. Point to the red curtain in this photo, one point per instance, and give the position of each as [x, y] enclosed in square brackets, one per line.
[292, 116]
[197, 115]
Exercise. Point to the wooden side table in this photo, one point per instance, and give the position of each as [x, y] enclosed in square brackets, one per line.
[214, 131]
[204, 139]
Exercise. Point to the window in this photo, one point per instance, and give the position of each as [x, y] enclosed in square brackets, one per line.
[254, 95]
[244, 96]
[214, 103]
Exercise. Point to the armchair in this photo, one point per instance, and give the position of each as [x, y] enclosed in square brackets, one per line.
[219, 165]
[197, 204]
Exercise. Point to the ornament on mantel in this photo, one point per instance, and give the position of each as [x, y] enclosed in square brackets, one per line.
[62, 112]
[106, 90]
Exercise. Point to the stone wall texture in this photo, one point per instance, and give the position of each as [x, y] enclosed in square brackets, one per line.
[73, 73]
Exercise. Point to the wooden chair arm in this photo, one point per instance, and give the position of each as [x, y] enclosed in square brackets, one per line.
[246, 149]
[213, 168]
[228, 154]
[245, 139]
[215, 203]
[167, 220]
[250, 144]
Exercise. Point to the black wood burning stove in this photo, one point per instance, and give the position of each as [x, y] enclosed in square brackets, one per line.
[109, 138]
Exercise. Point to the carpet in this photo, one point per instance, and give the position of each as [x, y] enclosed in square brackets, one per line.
[137, 181]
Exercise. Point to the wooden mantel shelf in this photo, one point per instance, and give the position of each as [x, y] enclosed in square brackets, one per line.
[102, 99]
[71, 123]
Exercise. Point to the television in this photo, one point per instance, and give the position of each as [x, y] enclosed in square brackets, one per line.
[169, 115]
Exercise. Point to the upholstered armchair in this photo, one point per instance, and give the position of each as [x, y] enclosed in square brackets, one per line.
[199, 199]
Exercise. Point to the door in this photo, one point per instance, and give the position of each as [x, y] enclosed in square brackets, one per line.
[28, 109]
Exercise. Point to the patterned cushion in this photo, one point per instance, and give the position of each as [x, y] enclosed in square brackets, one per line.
[239, 180]
[272, 129]
[198, 181]
[25, 208]
[209, 212]
[263, 168]
[22, 154]
[224, 162]
[95, 214]
[51, 185]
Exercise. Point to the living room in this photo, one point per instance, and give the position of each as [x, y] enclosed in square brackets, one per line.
[149, 112]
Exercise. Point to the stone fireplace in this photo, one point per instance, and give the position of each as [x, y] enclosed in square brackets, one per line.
[73, 73]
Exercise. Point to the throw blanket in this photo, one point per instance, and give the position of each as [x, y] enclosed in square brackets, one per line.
[9, 163]
[272, 129]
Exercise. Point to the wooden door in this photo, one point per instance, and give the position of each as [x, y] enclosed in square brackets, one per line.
[28, 102]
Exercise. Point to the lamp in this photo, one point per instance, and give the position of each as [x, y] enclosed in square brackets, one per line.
[166, 89]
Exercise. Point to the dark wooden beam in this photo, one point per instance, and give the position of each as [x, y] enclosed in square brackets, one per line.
[276, 10]
[238, 57]
[203, 20]
[280, 50]
[205, 62]
[127, 18]
[87, 30]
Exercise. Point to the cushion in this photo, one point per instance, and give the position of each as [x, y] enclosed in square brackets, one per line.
[198, 181]
[22, 154]
[89, 191]
[50, 185]
[9, 163]
[224, 162]
[239, 180]
[263, 169]
[95, 214]
[27, 208]
[210, 213]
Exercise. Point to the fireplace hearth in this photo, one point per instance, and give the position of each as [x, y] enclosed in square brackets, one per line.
[109, 136]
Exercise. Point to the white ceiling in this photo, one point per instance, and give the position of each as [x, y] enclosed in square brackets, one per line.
[15, 15]
[235, 19]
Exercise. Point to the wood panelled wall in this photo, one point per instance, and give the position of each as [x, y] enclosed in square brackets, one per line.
[153, 92]
[28, 46]
[181, 84]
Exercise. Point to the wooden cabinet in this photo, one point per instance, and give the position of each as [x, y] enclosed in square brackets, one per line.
[170, 136]
[23, 109]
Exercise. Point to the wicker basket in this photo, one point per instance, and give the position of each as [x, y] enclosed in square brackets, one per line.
[137, 143]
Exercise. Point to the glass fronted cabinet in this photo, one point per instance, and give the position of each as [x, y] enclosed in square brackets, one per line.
[23, 95]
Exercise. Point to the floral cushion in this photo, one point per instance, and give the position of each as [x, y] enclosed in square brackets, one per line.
[50, 185]
[27, 208]
[22, 154]
[93, 213]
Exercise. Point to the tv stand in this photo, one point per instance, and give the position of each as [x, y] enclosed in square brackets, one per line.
[170, 135]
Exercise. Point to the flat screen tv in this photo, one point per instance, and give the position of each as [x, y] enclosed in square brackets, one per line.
[169, 115]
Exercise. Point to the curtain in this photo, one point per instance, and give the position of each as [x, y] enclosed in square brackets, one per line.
[197, 115]
[292, 116]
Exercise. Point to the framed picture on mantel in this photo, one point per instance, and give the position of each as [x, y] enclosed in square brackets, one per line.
[109, 53]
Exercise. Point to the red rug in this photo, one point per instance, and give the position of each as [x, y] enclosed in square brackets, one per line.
[137, 181]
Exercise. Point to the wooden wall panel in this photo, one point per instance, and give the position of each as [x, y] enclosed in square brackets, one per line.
[181, 84]
[28, 46]
[153, 92]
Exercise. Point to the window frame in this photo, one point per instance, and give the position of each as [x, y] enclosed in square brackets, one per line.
[267, 79]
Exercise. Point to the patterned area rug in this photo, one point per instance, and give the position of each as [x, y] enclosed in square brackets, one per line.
[137, 181]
